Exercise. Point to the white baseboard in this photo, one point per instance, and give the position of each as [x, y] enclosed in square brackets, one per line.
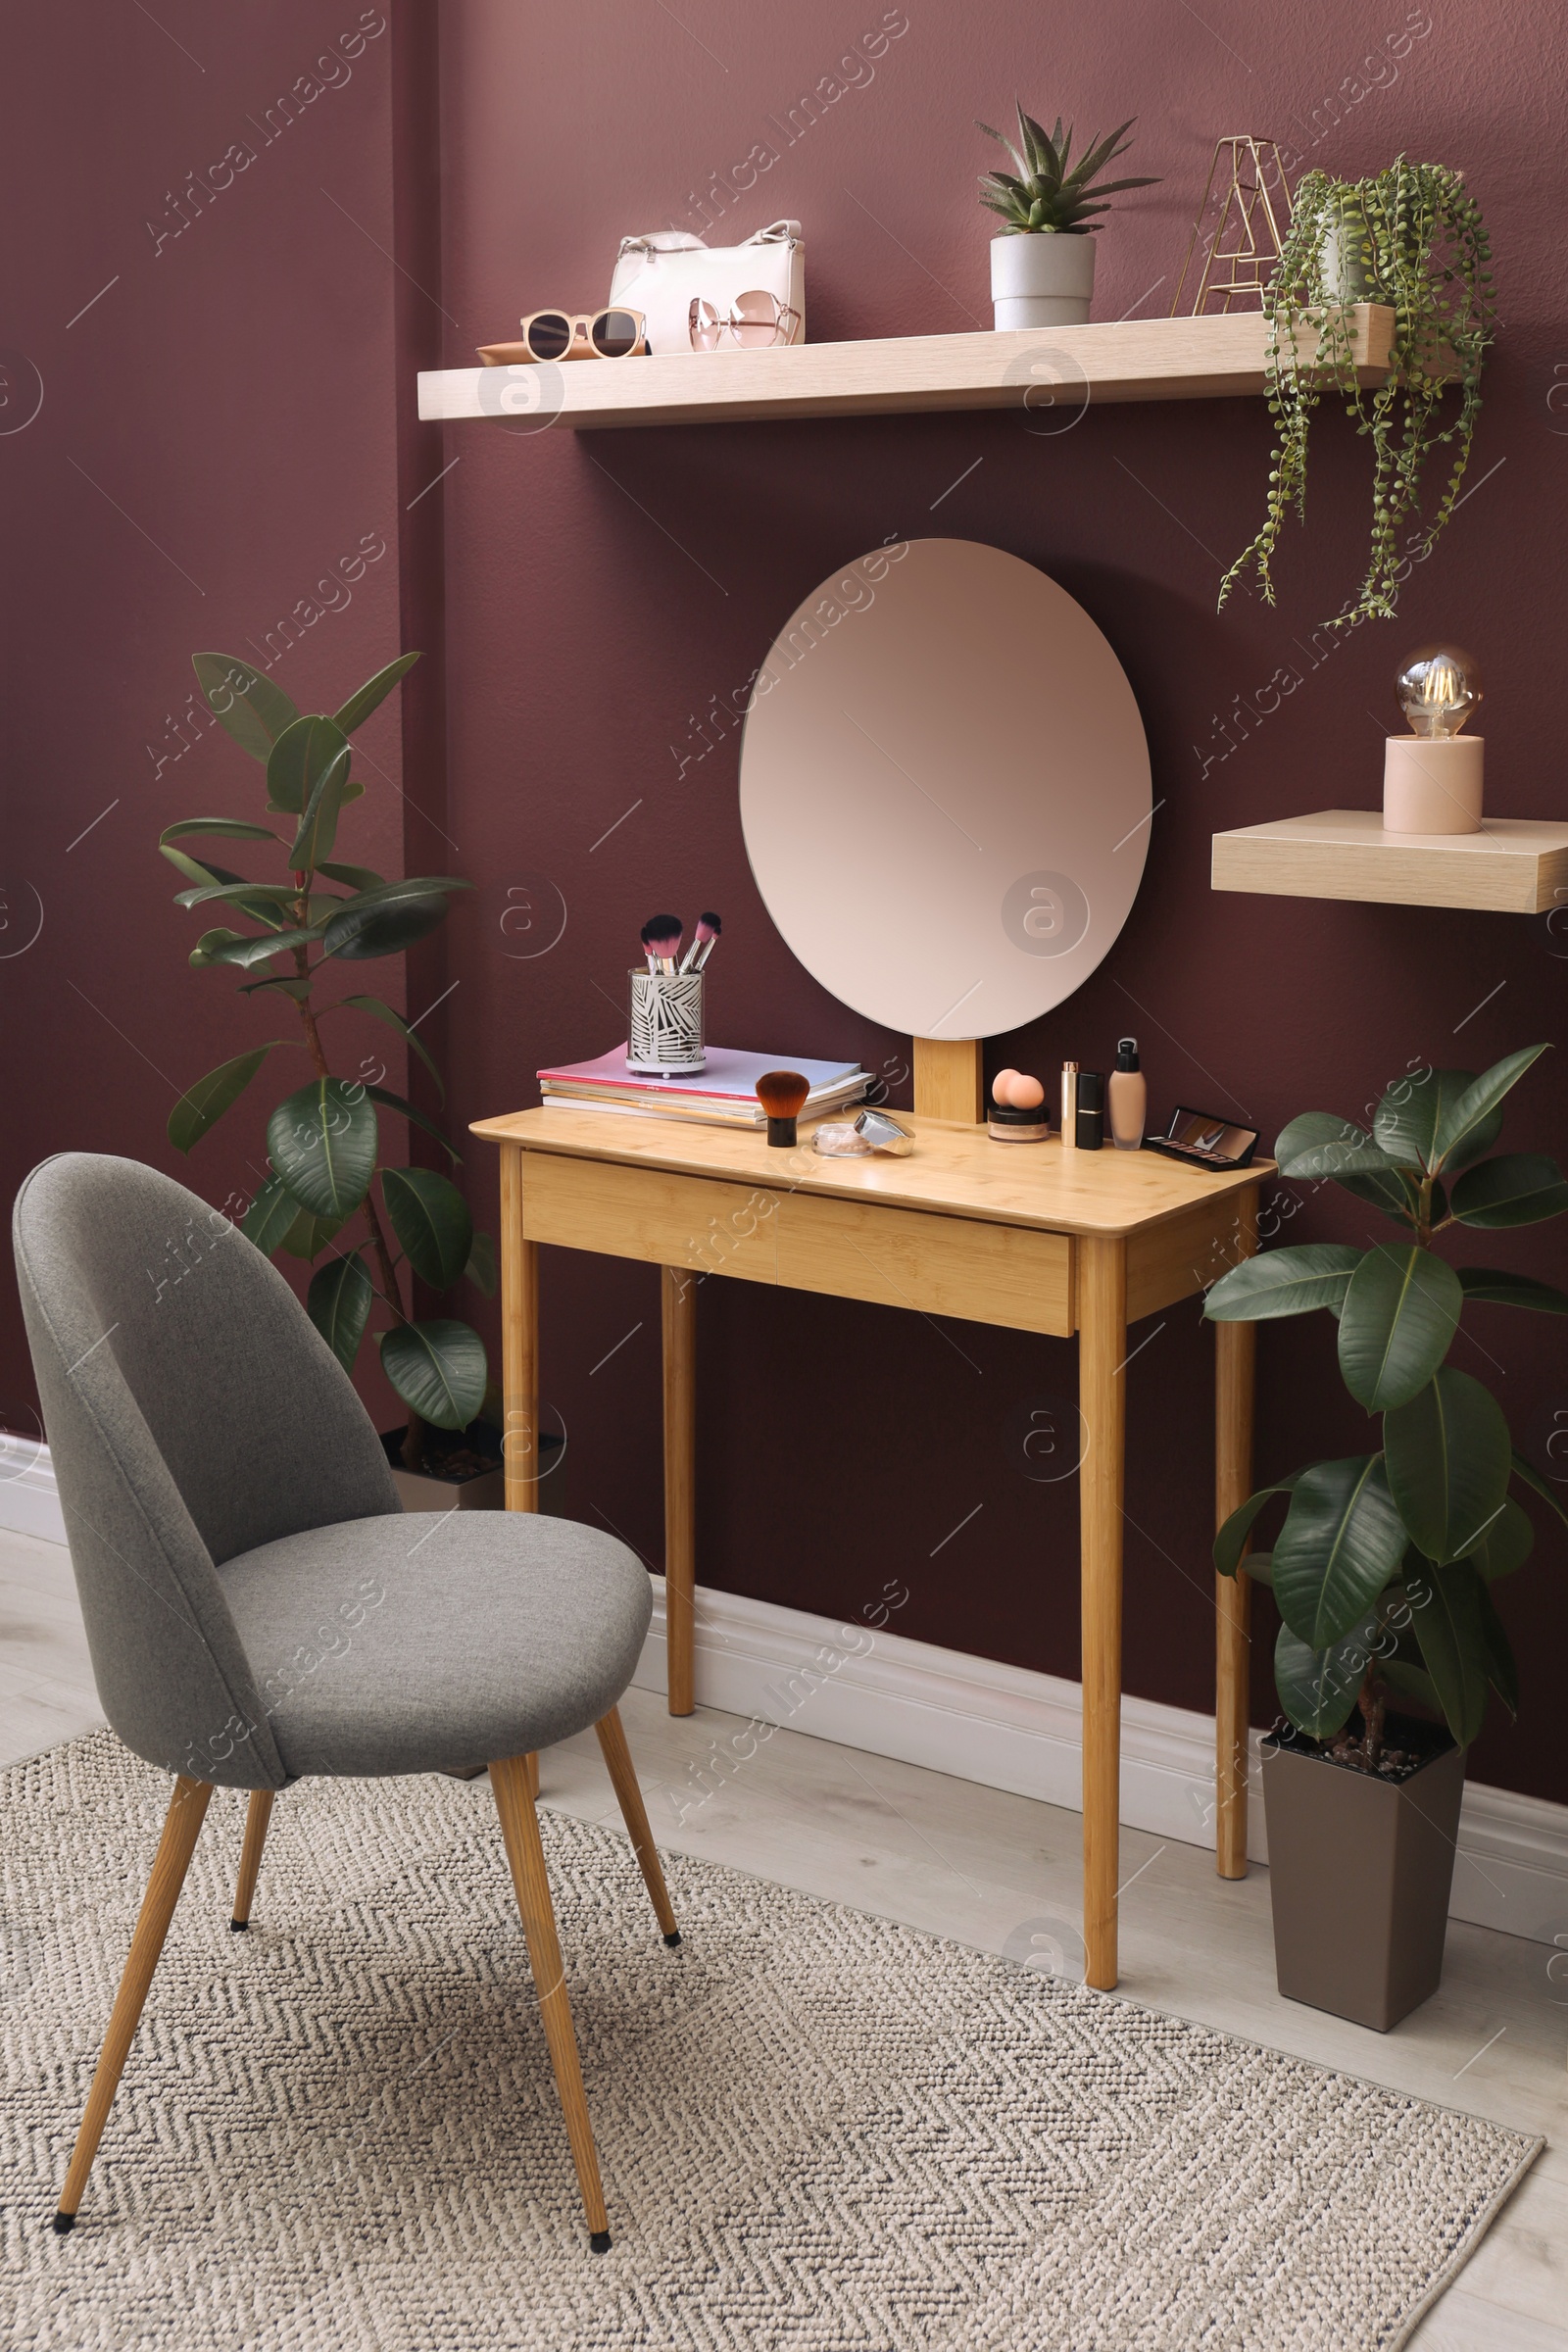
[1010, 1728]
[29, 1499]
[1003, 1726]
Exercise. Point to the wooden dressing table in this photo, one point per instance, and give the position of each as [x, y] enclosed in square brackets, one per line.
[1026, 1236]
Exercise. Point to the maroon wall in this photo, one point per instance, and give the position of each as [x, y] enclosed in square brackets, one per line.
[600, 592]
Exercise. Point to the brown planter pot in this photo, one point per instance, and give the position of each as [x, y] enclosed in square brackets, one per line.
[1359, 1870]
[485, 1491]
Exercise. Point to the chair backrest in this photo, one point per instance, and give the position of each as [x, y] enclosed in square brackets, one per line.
[193, 1412]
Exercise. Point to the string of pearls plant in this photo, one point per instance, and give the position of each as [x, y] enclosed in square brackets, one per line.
[1413, 238]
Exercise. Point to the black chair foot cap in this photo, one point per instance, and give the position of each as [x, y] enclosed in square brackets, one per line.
[62, 2223]
[239, 1927]
[672, 1940]
[600, 2241]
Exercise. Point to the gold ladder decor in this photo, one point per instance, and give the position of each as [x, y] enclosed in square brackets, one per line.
[1247, 177]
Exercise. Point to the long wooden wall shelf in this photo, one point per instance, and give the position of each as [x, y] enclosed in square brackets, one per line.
[1143, 359]
[1513, 867]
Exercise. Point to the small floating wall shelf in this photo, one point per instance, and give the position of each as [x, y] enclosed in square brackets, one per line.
[1142, 359]
[1514, 866]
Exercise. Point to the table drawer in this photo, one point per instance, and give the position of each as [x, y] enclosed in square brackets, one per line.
[959, 1266]
[650, 1213]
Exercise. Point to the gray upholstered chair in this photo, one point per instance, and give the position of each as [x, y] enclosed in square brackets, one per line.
[257, 1606]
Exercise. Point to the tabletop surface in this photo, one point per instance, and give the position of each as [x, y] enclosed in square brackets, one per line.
[953, 1170]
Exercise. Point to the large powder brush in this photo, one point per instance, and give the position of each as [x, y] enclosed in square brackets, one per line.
[782, 1095]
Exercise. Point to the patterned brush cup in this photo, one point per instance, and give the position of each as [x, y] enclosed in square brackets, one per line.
[666, 1029]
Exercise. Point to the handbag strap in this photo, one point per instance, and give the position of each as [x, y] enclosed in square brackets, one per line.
[777, 233]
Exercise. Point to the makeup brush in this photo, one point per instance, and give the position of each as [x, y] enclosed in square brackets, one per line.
[782, 1095]
[661, 937]
[708, 930]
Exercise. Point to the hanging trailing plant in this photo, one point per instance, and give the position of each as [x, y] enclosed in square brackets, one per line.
[1411, 238]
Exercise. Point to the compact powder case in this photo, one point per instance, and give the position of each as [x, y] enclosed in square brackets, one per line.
[1006, 1125]
[884, 1134]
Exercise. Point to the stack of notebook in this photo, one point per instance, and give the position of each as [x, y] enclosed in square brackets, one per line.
[723, 1093]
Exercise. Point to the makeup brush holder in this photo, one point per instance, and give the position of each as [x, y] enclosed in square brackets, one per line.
[665, 1029]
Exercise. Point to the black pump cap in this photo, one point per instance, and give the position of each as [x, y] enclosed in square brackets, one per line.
[1126, 1053]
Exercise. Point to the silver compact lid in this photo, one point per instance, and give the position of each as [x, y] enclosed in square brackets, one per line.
[884, 1134]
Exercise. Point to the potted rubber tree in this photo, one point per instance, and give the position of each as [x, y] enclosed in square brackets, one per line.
[328, 1197]
[1384, 1566]
[1043, 261]
[1413, 239]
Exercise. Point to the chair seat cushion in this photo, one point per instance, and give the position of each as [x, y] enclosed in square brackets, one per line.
[416, 1644]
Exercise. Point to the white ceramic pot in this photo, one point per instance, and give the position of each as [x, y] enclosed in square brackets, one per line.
[1043, 280]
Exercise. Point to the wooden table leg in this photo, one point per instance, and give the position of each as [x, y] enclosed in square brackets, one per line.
[1103, 1400]
[519, 1341]
[680, 1481]
[1235, 1359]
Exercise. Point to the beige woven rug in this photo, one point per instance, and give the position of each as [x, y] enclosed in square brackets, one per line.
[818, 2129]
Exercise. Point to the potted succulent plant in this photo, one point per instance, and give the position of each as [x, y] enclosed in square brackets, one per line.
[1043, 263]
[323, 1139]
[1411, 238]
[1383, 1568]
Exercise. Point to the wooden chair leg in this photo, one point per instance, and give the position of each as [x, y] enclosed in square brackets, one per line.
[532, 1767]
[623, 1775]
[258, 1814]
[520, 1830]
[187, 1808]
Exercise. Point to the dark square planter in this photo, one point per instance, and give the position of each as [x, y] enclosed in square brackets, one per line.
[1359, 1870]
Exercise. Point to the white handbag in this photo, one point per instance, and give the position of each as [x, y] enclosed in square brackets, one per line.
[660, 274]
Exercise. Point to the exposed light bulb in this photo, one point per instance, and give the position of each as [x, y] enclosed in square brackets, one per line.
[1438, 689]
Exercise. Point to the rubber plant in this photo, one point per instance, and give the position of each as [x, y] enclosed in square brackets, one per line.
[1044, 198]
[323, 1139]
[1411, 238]
[1384, 1565]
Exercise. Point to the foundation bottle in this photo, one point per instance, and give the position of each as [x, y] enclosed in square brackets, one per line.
[1128, 1097]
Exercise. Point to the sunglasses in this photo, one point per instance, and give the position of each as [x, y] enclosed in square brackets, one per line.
[614, 334]
[755, 322]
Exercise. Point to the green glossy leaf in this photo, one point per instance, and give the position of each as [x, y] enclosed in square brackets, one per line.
[1448, 1457]
[255, 712]
[201, 871]
[203, 1104]
[295, 990]
[430, 1218]
[1232, 1536]
[480, 1269]
[1490, 1283]
[1407, 1120]
[1538, 1485]
[205, 952]
[299, 760]
[273, 893]
[438, 1368]
[338, 1304]
[406, 1111]
[1318, 1688]
[354, 878]
[1341, 1547]
[318, 824]
[322, 1143]
[1284, 1282]
[1507, 1543]
[1502, 1672]
[1400, 1315]
[1448, 1621]
[1409, 1681]
[1470, 1127]
[375, 690]
[1319, 1145]
[215, 824]
[367, 928]
[243, 953]
[269, 1215]
[310, 1235]
[1522, 1188]
[380, 1010]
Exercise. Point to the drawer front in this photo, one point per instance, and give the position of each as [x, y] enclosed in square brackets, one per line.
[649, 1213]
[956, 1266]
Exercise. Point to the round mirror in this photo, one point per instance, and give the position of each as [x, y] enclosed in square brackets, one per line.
[944, 789]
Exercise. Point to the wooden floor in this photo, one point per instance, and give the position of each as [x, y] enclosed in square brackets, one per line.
[1003, 1872]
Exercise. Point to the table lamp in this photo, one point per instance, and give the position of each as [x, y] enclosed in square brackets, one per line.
[1433, 777]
